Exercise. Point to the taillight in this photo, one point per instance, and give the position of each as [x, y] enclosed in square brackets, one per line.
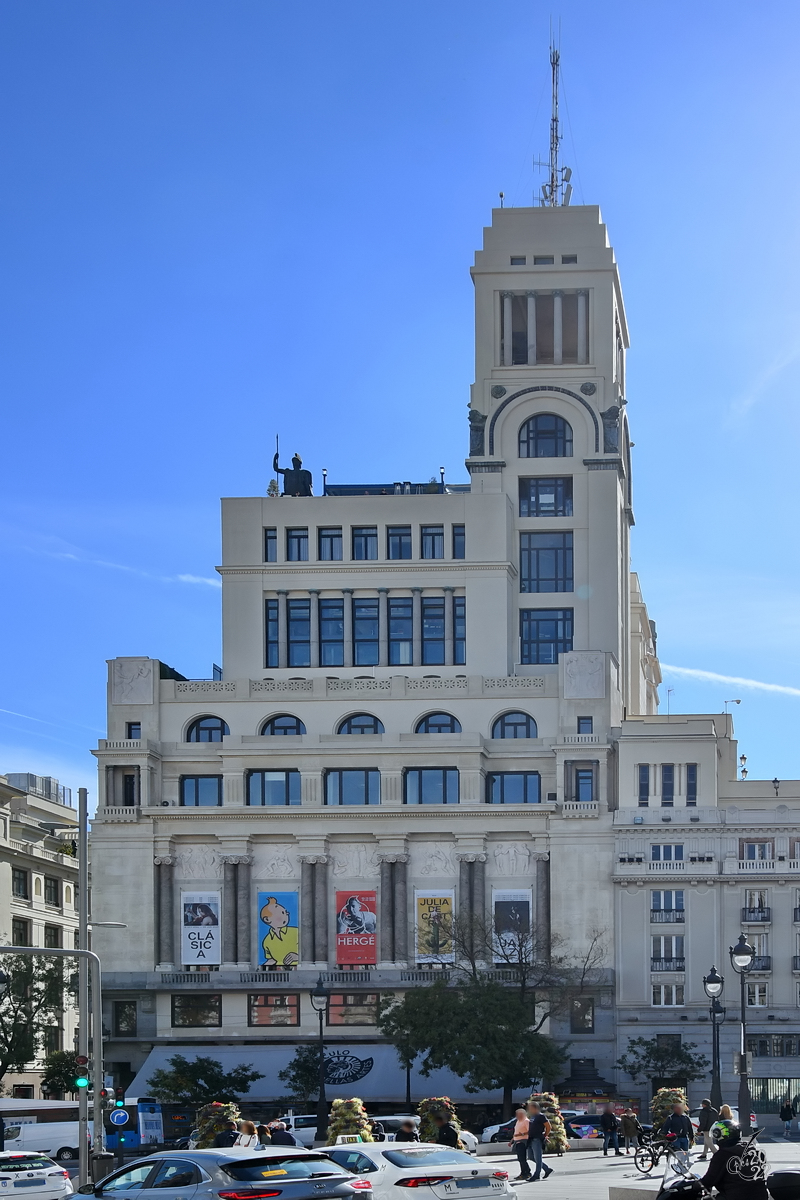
[65, 1174]
[249, 1195]
[500, 1174]
[361, 1185]
[422, 1180]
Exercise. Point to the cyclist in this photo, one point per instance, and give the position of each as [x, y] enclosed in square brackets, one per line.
[735, 1175]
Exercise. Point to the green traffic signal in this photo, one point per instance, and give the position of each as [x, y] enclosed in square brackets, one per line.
[81, 1082]
[119, 1104]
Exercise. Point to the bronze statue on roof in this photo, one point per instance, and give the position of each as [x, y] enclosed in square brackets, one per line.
[296, 481]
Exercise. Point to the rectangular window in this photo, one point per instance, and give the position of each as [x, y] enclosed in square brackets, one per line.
[691, 784]
[365, 542]
[756, 899]
[459, 630]
[584, 785]
[52, 937]
[432, 630]
[297, 545]
[545, 562]
[544, 634]
[353, 787]
[756, 851]
[432, 541]
[518, 333]
[667, 905]
[196, 1012]
[569, 259]
[20, 932]
[134, 731]
[756, 995]
[271, 623]
[401, 632]
[585, 725]
[273, 788]
[329, 545]
[299, 629]
[668, 995]
[668, 948]
[19, 883]
[129, 798]
[52, 891]
[431, 785]
[270, 545]
[398, 541]
[331, 633]
[53, 1040]
[543, 260]
[201, 791]
[518, 260]
[545, 497]
[667, 785]
[459, 541]
[365, 633]
[125, 1018]
[513, 787]
[355, 1008]
[644, 785]
[581, 1014]
[673, 852]
[283, 1009]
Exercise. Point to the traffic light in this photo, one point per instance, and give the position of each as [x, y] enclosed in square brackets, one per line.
[119, 1097]
[107, 1097]
[81, 1079]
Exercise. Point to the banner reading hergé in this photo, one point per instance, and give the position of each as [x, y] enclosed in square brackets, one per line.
[356, 927]
[200, 928]
[434, 926]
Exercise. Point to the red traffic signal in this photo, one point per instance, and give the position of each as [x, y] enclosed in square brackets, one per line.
[81, 1060]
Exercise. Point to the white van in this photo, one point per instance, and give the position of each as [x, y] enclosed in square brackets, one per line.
[59, 1139]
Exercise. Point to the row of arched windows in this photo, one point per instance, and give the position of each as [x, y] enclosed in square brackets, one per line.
[509, 725]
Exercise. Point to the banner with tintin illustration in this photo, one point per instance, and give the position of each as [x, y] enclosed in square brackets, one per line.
[200, 928]
[278, 931]
[356, 927]
[434, 926]
[512, 925]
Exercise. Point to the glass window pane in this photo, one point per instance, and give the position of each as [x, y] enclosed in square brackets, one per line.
[545, 497]
[365, 542]
[398, 541]
[459, 541]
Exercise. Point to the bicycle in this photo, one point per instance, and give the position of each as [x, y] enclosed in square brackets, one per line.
[648, 1156]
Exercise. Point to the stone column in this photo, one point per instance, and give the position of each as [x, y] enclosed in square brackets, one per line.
[321, 908]
[479, 887]
[401, 908]
[283, 637]
[448, 627]
[386, 947]
[583, 325]
[229, 910]
[166, 911]
[348, 627]
[508, 335]
[416, 612]
[383, 627]
[543, 899]
[557, 329]
[314, 628]
[244, 902]
[307, 949]
[531, 329]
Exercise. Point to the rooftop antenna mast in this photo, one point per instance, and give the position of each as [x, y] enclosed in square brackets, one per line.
[558, 189]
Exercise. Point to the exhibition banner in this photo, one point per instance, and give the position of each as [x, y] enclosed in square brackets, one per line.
[434, 926]
[356, 927]
[200, 928]
[278, 931]
[511, 911]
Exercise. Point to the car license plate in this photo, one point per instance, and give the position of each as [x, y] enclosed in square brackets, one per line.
[461, 1185]
[28, 1182]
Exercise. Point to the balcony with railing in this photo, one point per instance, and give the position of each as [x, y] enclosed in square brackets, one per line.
[762, 866]
[667, 964]
[762, 962]
[631, 865]
[667, 916]
[757, 914]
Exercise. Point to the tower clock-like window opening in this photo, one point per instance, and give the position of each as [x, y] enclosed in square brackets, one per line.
[545, 436]
[539, 327]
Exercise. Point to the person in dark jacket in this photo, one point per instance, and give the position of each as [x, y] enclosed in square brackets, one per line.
[737, 1179]
[281, 1136]
[678, 1128]
[787, 1114]
[407, 1132]
[446, 1132]
[377, 1130]
[609, 1124]
[705, 1121]
[630, 1129]
[226, 1137]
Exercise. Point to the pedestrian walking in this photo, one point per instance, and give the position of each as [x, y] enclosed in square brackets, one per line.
[609, 1124]
[248, 1138]
[787, 1114]
[630, 1129]
[538, 1132]
[706, 1119]
[519, 1144]
[680, 1129]
[227, 1136]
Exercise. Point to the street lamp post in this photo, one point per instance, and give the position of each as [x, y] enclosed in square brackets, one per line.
[713, 983]
[742, 955]
[320, 997]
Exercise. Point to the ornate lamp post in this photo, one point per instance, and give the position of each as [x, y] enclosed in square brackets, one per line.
[742, 955]
[320, 998]
[713, 984]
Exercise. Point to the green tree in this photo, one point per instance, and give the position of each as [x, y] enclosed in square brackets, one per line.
[60, 1072]
[200, 1081]
[301, 1075]
[31, 1005]
[654, 1058]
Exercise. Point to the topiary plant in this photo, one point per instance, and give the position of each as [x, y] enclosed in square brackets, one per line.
[211, 1120]
[662, 1102]
[435, 1106]
[557, 1143]
[349, 1117]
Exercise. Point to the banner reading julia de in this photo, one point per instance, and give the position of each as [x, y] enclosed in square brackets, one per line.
[200, 928]
[356, 927]
[434, 926]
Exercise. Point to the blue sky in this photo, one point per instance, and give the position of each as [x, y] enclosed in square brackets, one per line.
[224, 220]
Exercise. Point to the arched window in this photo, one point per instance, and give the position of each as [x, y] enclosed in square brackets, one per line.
[545, 436]
[361, 723]
[438, 723]
[207, 729]
[514, 725]
[283, 725]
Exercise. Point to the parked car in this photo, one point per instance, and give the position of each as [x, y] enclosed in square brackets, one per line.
[37, 1173]
[445, 1172]
[289, 1173]
[58, 1139]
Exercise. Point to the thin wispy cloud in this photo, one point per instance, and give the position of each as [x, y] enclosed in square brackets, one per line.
[712, 677]
[765, 379]
[81, 558]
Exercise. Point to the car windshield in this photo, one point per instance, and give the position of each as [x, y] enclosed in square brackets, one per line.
[428, 1157]
[274, 1166]
[25, 1162]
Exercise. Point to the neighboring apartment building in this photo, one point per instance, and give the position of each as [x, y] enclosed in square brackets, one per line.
[38, 887]
[434, 697]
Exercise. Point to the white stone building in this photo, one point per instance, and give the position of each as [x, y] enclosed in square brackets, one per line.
[430, 693]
